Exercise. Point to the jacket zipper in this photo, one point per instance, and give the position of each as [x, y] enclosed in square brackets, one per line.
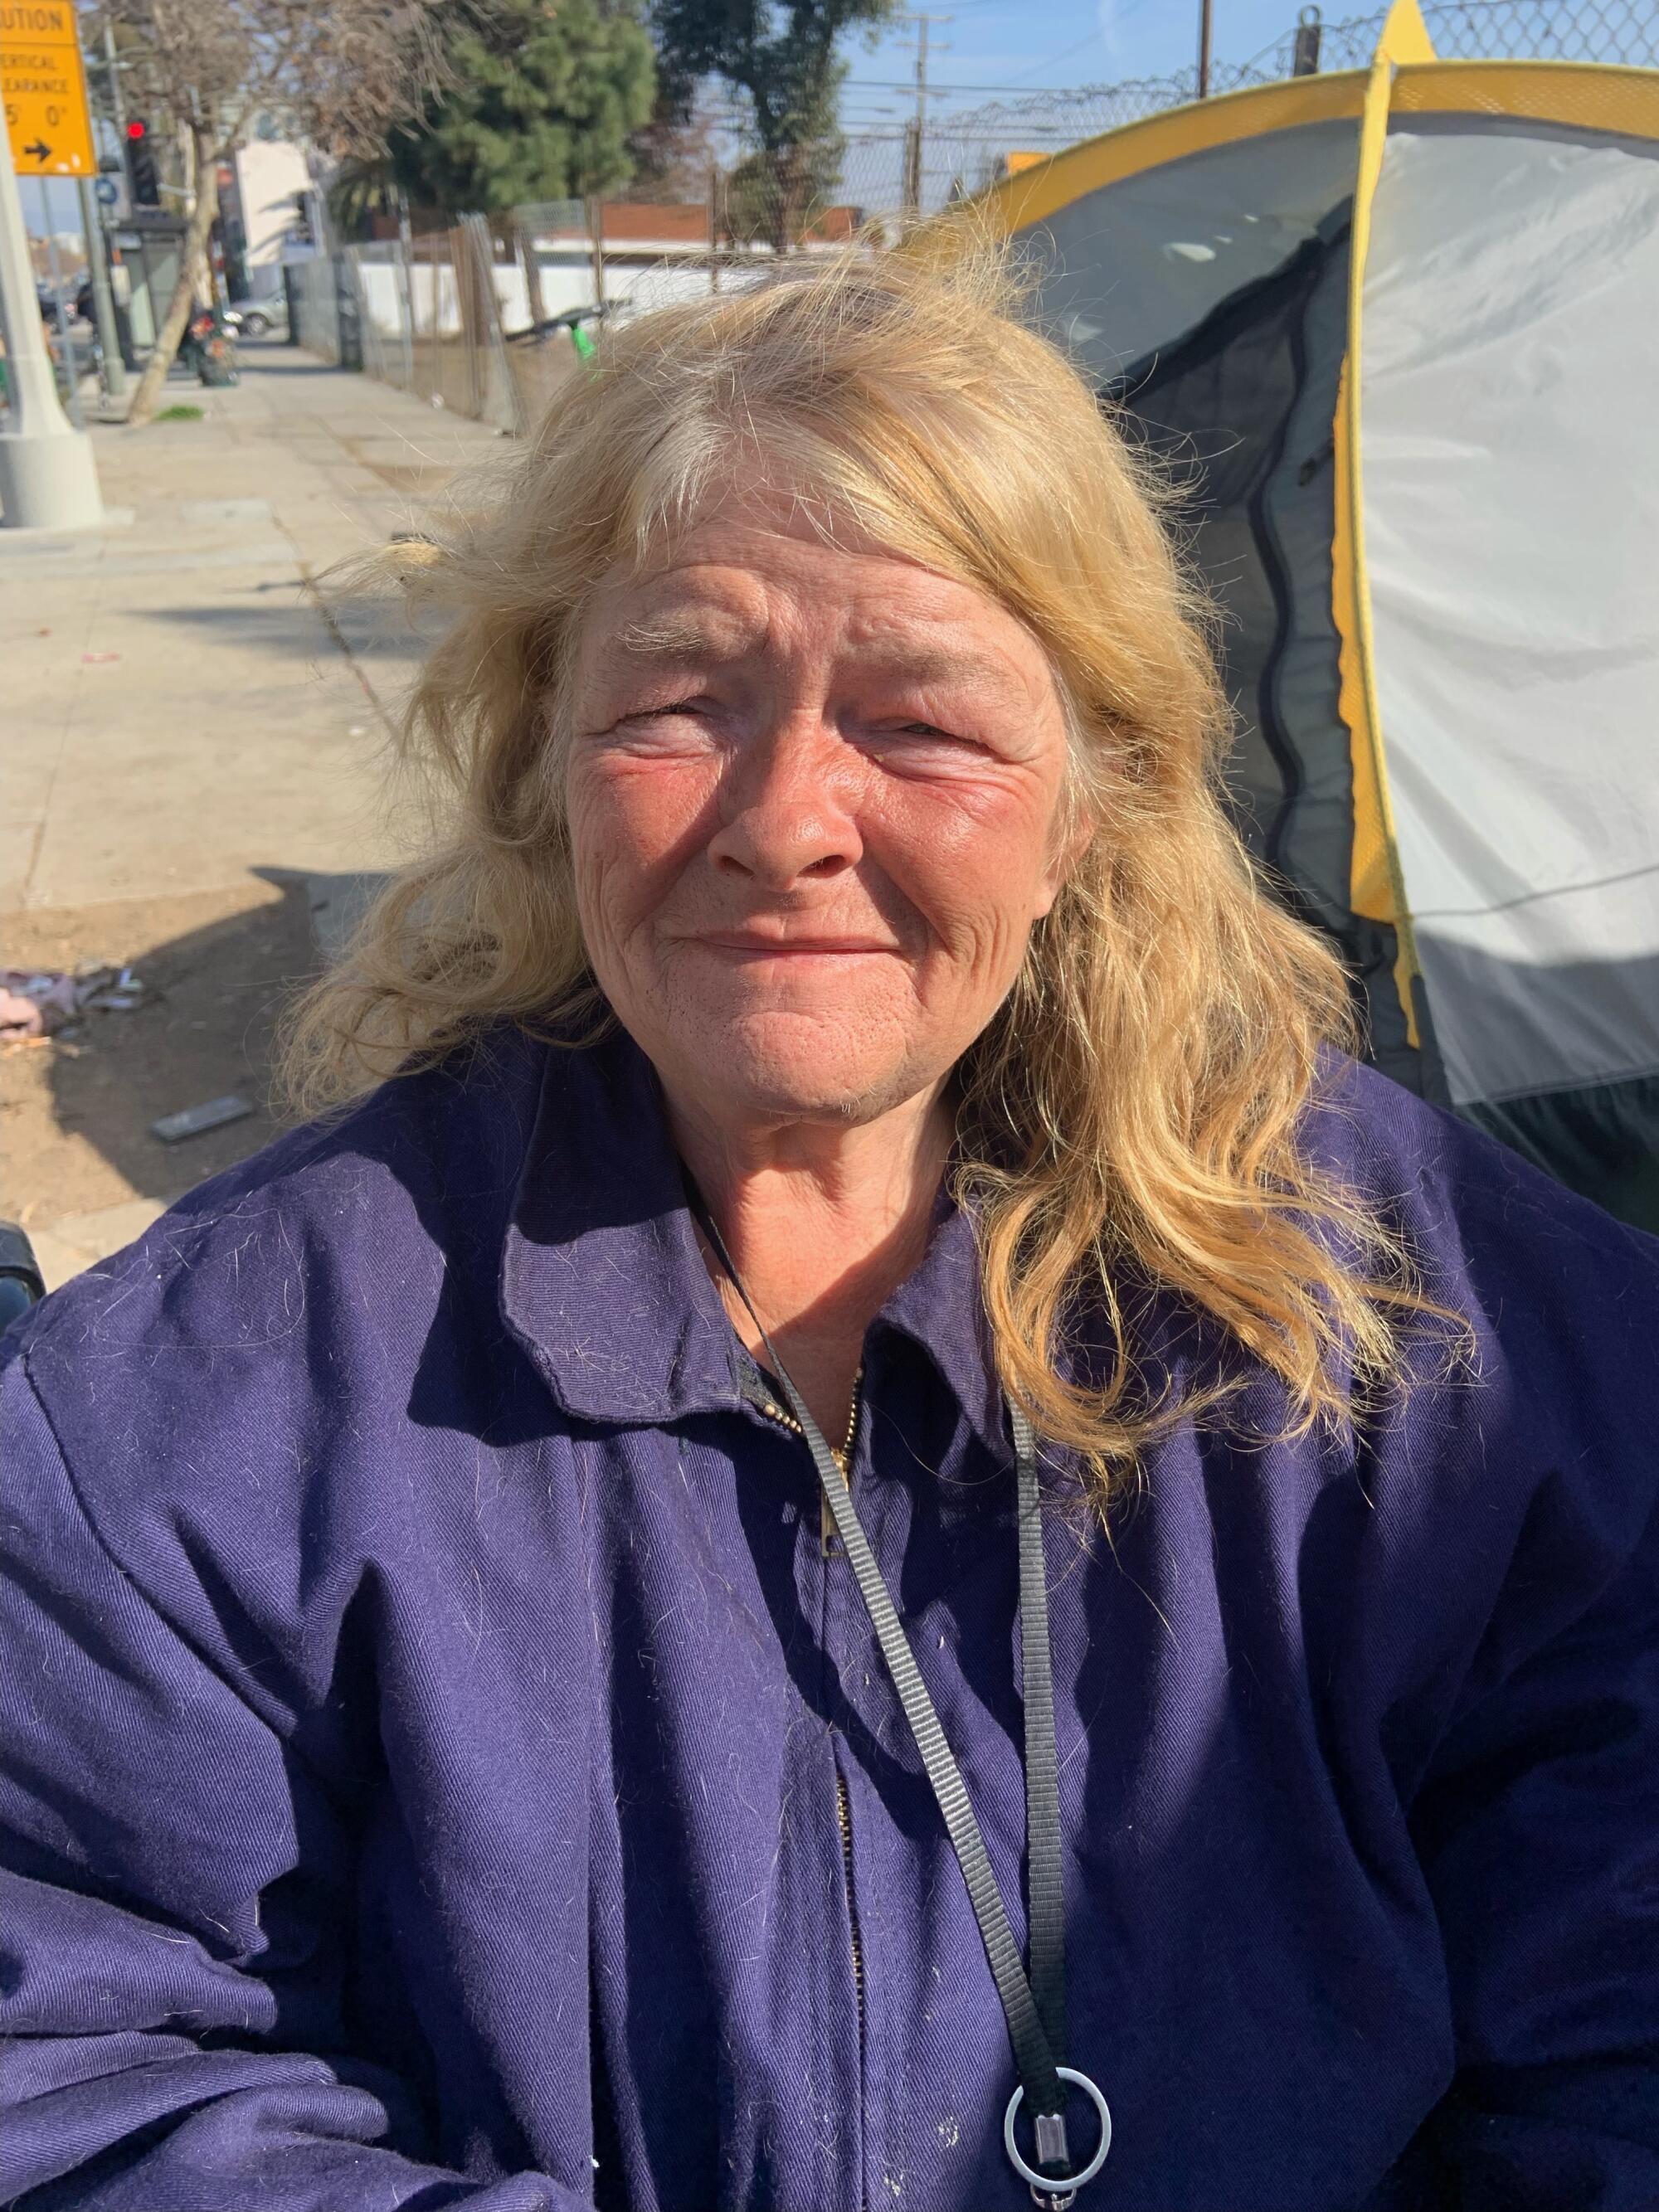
[843, 1460]
[843, 1457]
[844, 1820]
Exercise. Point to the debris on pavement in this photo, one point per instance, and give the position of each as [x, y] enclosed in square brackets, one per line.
[35, 1005]
[41, 1002]
[193, 1121]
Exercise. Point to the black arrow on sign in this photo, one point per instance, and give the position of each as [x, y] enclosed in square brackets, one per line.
[40, 150]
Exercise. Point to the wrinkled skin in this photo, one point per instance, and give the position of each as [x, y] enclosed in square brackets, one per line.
[813, 791]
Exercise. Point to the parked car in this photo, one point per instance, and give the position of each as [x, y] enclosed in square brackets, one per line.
[259, 317]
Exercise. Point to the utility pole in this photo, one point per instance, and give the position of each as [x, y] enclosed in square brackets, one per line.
[48, 480]
[915, 130]
[103, 307]
[1204, 8]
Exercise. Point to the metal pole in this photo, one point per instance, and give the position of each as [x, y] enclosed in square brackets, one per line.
[405, 259]
[1310, 29]
[115, 99]
[1204, 27]
[922, 21]
[71, 371]
[47, 477]
[103, 307]
[916, 130]
[594, 208]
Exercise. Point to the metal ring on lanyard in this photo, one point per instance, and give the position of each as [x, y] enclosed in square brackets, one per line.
[1034, 2004]
[1057, 2195]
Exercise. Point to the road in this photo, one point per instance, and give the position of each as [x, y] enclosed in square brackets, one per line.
[196, 730]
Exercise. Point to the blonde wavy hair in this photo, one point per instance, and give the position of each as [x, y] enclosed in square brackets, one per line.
[1129, 1120]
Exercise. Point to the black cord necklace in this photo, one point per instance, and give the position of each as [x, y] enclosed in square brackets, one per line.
[1034, 2004]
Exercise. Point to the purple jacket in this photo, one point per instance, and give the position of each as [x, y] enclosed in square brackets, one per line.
[432, 1707]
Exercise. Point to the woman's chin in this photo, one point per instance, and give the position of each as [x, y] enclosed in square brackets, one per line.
[786, 1067]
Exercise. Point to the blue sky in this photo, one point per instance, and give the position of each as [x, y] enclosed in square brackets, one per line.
[999, 46]
[996, 45]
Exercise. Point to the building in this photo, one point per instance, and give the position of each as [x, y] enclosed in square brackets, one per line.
[264, 192]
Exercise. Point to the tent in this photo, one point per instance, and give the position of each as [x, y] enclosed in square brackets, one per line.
[1401, 327]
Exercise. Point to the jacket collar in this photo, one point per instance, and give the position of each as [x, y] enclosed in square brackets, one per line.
[603, 1283]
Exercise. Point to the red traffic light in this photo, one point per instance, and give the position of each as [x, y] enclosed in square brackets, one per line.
[138, 129]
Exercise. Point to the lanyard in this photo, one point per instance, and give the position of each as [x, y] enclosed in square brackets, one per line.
[1034, 2004]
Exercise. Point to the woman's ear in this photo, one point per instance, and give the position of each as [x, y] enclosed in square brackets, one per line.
[1074, 833]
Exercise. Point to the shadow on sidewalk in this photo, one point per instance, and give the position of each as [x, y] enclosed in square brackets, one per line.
[213, 997]
[283, 617]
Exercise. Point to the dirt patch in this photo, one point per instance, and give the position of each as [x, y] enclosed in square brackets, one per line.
[75, 1112]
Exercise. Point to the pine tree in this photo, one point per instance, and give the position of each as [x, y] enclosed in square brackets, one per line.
[540, 102]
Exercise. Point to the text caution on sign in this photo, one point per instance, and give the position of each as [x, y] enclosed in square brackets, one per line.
[44, 89]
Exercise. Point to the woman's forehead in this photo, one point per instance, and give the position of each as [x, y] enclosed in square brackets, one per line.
[739, 585]
[741, 566]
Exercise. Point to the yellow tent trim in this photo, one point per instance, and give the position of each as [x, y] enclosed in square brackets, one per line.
[1043, 190]
[1405, 78]
[1585, 96]
[1405, 37]
[1377, 888]
[1591, 95]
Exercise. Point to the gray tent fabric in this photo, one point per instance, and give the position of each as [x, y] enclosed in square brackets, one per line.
[1509, 414]
[1240, 410]
[1509, 449]
[1141, 262]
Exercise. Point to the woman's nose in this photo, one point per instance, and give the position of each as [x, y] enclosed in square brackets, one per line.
[786, 811]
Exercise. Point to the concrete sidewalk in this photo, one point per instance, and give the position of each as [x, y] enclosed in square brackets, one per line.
[193, 764]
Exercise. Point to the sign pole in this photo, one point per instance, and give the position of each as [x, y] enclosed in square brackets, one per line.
[47, 477]
[103, 307]
[71, 372]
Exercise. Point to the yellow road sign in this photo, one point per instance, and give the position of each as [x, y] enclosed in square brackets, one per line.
[44, 89]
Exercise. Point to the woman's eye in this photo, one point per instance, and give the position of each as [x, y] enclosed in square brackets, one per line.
[933, 733]
[672, 710]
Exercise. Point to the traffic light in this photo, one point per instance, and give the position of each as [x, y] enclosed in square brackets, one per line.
[142, 178]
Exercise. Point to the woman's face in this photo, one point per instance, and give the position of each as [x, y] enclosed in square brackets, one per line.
[813, 795]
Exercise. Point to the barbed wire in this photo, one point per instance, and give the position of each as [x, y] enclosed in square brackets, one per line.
[456, 320]
[966, 149]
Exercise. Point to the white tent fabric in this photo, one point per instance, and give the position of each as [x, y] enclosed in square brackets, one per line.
[1510, 443]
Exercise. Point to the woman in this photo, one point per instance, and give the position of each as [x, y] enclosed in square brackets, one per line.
[472, 1725]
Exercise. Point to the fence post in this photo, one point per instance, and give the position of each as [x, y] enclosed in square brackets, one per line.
[525, 233]
[406, 276]
[594, 209]
[348, 311]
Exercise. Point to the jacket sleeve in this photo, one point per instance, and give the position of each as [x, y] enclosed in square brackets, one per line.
[1539, 1829]
[174, 1882]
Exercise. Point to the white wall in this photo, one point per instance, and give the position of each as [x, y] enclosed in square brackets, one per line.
[567, 282]
[268, 173]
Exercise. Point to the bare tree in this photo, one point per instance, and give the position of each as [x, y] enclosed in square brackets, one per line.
[336, 72]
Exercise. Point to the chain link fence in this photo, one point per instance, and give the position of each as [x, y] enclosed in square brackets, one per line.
[491, 318]
[968, 148]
